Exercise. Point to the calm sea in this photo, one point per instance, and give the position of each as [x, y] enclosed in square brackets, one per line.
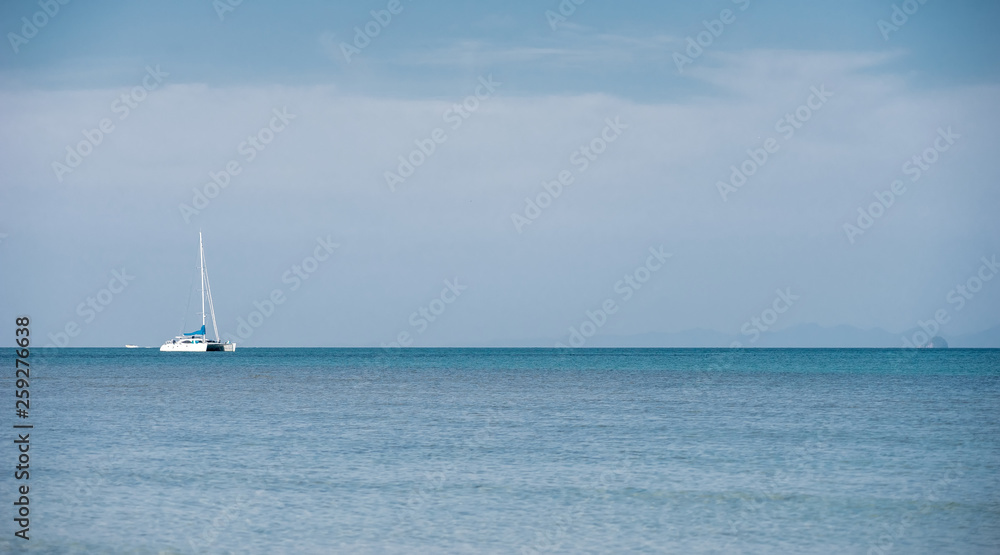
[510, 451]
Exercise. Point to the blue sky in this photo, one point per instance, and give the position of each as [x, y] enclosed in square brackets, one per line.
[657, 184]
[429, 45]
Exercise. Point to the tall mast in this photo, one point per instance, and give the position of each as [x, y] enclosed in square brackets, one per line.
[201, 262]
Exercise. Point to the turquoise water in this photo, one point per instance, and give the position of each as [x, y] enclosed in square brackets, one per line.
[511, 451]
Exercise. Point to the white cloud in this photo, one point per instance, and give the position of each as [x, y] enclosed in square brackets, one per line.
[452, 218]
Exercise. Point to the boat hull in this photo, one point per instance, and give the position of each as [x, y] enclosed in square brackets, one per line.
[199, 347]
[184, 347]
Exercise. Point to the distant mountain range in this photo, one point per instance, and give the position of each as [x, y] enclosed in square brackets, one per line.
[799, 336]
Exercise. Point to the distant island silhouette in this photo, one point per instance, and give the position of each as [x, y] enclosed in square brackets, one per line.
[938, 343]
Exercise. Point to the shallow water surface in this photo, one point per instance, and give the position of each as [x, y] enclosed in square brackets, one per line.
[513, 451]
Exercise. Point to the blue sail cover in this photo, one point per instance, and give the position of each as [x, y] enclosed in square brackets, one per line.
[198, 332]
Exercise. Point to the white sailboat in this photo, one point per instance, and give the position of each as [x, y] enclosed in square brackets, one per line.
[197, 341]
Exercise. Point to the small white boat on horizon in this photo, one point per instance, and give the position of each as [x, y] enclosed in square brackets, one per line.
[197, 341]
